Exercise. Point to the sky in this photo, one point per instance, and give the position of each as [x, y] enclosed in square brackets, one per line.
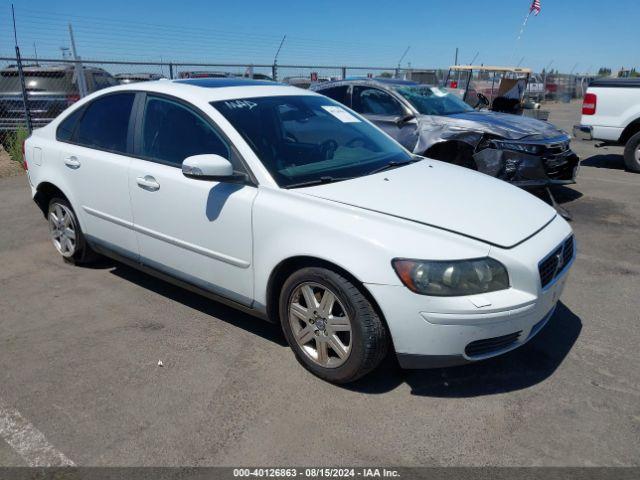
[569, 35]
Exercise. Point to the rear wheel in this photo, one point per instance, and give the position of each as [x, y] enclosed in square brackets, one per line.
[632, 153]
[331, 326]
[65, 233]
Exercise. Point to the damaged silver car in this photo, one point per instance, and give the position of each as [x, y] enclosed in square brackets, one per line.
[433, 122]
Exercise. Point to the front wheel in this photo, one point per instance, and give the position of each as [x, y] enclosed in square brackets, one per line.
[632, 153]
[331, 326]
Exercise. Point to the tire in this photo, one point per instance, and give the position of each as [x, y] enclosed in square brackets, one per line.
[66, 235]
[363, 340]
[632, 153]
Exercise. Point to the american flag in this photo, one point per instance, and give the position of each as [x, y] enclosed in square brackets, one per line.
[535, 7]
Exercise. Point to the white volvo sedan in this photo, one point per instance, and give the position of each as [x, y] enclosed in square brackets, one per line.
[293, 208]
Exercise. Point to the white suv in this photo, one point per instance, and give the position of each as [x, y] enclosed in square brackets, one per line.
[285, 204]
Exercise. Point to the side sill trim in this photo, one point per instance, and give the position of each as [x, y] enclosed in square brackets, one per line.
[171, 240]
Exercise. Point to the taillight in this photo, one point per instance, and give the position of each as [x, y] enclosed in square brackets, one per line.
[71, 99]
[589, 104]
[24, 155]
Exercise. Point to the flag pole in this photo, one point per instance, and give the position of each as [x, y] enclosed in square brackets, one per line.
[524, 25]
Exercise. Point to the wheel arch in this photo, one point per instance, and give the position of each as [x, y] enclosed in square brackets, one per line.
[286, 267]
[45, 191]
[630, 130]
[449, 150]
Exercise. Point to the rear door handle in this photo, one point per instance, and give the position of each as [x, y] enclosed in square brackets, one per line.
[72, 162]
[148, 183]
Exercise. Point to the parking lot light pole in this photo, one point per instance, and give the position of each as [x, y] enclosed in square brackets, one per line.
[82, 83]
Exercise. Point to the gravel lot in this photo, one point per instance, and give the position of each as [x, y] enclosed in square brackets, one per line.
[79, 349]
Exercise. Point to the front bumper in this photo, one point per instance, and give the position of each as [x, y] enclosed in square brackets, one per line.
[583, 132]
[556, 165]
[430, 332]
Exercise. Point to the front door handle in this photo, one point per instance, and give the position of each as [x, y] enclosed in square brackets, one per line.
[72, 162]
[148, 183]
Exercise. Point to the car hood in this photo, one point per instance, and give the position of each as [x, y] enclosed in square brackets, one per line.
[505, 125]
[447, 197]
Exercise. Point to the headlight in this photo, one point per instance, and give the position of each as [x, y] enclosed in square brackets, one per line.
[519, 147]
[452, 278]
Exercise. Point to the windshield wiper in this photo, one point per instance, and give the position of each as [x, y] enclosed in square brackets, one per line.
[393, 164]
[318, 181]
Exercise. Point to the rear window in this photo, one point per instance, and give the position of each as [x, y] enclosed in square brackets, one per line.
[38, 81]
[105, 123]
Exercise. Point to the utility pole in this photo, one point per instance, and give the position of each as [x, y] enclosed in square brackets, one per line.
[82, 82]
[25, 101]
[274, 67]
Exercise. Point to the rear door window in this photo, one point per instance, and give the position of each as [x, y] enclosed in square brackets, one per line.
[172, 132]
[339, 94]
[105, 123]
[373, 101]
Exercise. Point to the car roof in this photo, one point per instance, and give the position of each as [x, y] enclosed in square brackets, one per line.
[388, 83]
[212, 89]
[226, 82]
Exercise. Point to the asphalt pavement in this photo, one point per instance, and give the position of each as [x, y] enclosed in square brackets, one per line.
[79, 352]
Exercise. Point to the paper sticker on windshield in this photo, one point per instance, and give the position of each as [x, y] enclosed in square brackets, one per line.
[341, 114]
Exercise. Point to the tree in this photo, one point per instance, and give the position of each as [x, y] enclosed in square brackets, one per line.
[604, 72]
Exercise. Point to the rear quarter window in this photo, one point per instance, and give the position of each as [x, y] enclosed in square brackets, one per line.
[67, 126]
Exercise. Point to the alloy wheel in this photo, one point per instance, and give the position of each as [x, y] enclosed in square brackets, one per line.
[320, 324]
[62, 230]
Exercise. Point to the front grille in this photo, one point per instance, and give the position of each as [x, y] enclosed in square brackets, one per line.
[491, 345]
[556, 262]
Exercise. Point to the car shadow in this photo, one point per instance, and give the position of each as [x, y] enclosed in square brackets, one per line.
[217, 310]
[560, 193]
[519, 369]
[611, 161]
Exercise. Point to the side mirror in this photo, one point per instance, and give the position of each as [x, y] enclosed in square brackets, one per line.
[209, 167]
[404, 119]
[483, 101]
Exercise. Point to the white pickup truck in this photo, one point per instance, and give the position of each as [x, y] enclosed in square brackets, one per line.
[611, 113]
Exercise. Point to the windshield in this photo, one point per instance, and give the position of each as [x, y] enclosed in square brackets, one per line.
[434, 100]
[309, 138]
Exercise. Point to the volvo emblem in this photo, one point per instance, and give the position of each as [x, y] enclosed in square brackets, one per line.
[559, 262]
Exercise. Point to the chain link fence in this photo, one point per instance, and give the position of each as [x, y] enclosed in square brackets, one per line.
[36, 93]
